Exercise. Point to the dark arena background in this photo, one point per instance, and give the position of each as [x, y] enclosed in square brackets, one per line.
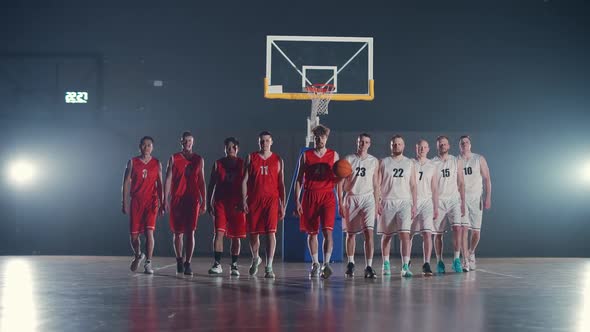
[81, 83]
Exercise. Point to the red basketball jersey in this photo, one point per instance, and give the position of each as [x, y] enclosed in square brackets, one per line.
[263, 177]
[228, 178]
[144, 177]
[318, 174]
[185, 175]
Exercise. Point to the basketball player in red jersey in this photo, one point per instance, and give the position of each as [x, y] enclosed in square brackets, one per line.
[224, 196]
[185, 194]
[318, 204]
[143, 182]
[263, 200]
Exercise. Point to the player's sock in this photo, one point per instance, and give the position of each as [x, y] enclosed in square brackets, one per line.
[457, 254]
[439, 258]
[351, 259]
[327, 256]
[369, 262]
[385, 258]
[405, 259]
[218, 256]
[269, 262]
[255, 259]
[234, 259]
[314, 258]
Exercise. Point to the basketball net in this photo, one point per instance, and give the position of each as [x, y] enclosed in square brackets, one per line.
[320, 96]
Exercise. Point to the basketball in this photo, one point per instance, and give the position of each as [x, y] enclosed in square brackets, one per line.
[342, 168]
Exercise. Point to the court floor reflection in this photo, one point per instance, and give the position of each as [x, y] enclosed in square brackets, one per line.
[98, 293]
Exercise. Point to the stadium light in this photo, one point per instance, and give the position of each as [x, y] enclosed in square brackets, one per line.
[21, 172]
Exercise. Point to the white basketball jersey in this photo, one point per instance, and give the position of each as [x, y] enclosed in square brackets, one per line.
[424, 174]
[360, 182]
[447, 177]
[472, 173]
[395, 178]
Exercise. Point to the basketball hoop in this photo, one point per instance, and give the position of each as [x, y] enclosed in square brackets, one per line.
[320, 95]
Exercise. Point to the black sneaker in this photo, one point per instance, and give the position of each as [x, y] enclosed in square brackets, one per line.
[187, 269]
[426, 270]
[369, 273]
[349, 270]
[179, 266]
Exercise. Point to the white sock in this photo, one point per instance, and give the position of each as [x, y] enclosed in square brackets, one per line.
[439, 258]
[457, 254]
[314, 258]
[369, 262]
[327, 256]
[255, 259]
[385, 258]
[351, 259]
[426, 259]
[269, 261]
[405, 259]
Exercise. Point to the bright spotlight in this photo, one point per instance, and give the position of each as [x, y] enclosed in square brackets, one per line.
[21, 172]
[585, 174]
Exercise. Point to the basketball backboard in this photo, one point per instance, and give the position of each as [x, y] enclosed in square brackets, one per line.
[295, 62]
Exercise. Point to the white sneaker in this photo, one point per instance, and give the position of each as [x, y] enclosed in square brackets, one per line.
[216, 269]
[472, 265]
[465, 264]
[254, 267]
[234, 270]
[147, 268]
[315, 270]
[136, 261]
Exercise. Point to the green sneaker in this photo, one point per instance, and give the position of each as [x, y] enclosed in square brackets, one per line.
[386, 268]
[406, 273]
[457, 265]
[440, 267]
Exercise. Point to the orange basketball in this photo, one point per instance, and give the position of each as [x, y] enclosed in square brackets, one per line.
[342, 168]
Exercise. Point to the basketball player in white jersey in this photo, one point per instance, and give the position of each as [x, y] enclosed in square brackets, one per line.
[427, 208]
[477, 174]
[357, 195]
[397, 207]
[451, 203]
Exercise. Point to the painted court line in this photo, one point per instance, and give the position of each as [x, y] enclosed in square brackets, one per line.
[499, 274]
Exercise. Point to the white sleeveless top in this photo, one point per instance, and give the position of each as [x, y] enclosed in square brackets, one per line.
[472, 174]
[447, 177]
[395, 178]
[360, 182]
[424, 174]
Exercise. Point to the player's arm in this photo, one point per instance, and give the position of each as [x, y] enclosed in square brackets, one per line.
[299, 183]
[168, 183]
[340, 193]
[413, 190]
[461, 184]
[379, 179]
[125, 188]
[434, 189]
[211, 188]
[245, 185]
[376, 185]
[160, 189]
[487, 180]
[202, 187]
[282, 202]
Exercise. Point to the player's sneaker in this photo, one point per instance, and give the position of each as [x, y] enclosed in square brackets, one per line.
[216, 269]
[179, 266]
[187, 269]
[147, 268]
[370, 273]
[234, 270]
[440, 267]
[326, 271]
[472, 265]
[457, 265]
[406, 273]
[268, 273]
[254, 267]
[136, 261]
[465, 265]
[426, 271]
[349, 270]
[386, 268]
[315, 270]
